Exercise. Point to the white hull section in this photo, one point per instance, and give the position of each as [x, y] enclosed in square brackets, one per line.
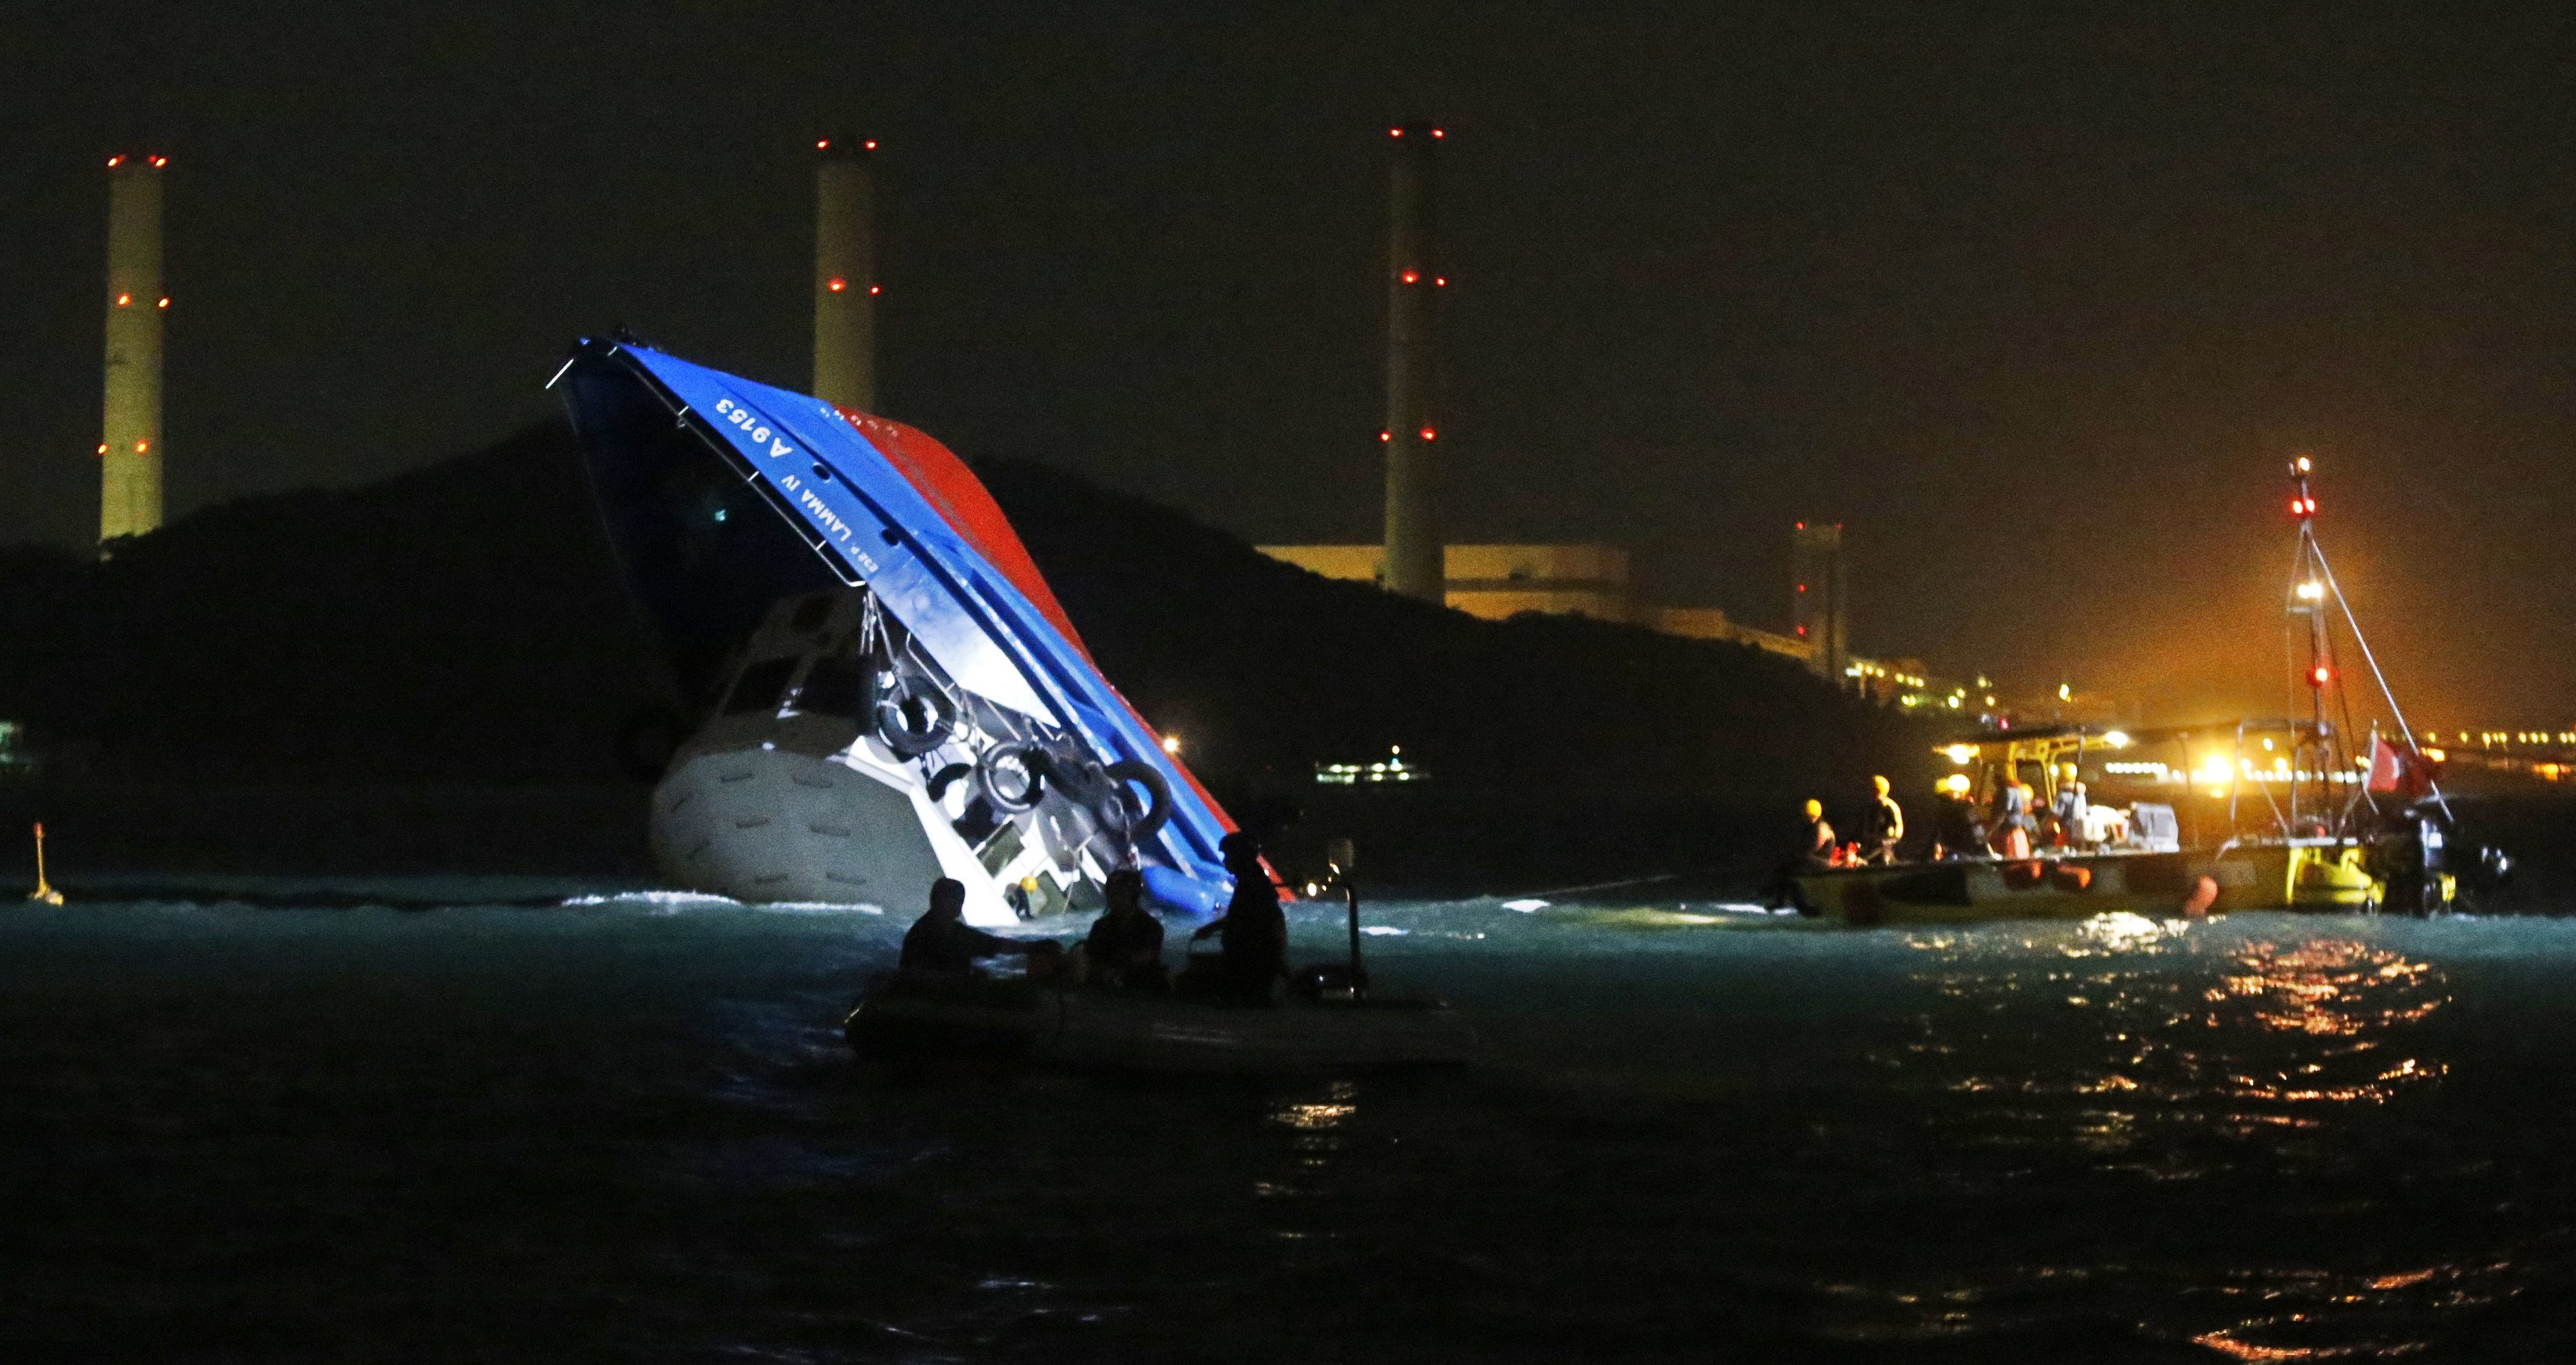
[770, 825]
[773, 825]
[785, 795]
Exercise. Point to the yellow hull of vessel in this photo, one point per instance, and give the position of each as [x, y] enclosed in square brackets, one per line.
[2296, 877]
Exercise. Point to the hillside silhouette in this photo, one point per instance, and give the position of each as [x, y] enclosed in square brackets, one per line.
[463, 625]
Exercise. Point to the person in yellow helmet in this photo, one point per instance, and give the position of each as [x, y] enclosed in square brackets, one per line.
[1817, 848]
[1883, 826]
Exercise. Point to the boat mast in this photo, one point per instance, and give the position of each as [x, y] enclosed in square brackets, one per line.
[2312, 584]
[2307, 599]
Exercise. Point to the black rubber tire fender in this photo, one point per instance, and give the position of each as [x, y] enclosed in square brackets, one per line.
[1031, 759]
[913, 716]
[1125, 776]
[941, 781]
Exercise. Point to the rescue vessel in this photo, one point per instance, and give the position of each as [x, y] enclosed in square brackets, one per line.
[2304, 814]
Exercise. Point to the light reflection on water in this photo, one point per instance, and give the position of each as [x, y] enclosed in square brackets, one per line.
[2164, 1048]
[2264, 1138]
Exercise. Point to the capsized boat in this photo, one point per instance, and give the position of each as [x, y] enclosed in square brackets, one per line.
[911, 1019]
[885, 690]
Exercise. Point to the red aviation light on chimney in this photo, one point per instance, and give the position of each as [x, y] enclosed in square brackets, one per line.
[1802, 630]
[836, 284]
[1802, 587]
[1430, 435]
[102, 447]
[1386, 435]
[1395, 132]
[822, 144]
[876, 289]
[160, 161]
[868, 146]
[1412, 276]
[115, 161]
[124, 299]
[163, 304]
[1440, 132]
[1439, 281]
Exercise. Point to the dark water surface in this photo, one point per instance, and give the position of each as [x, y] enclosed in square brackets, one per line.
[630, 1131]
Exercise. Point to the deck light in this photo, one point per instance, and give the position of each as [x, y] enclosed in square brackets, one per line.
[1172, 745]
[2117, 739]
[2312, 591]
[1961, 753]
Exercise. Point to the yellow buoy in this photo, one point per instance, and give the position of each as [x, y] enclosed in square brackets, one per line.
[43, 892]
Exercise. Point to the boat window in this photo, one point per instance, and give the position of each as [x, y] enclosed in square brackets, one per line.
[836, 685]
[760, 687]
[810, 612]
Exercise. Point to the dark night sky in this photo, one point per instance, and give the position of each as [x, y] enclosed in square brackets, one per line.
[2036, 302]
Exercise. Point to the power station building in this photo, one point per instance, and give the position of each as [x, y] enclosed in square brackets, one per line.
[129, 448]
[1497, 582]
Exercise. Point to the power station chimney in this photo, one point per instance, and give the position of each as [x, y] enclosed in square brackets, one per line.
[845, 274]
[129, 485]
[1818, 609]
[1413, 540]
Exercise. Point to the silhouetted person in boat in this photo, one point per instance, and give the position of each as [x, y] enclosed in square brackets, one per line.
[2071, 809]
[1815, 849]
[1955, 831]
[1883, 826]
[2013, 825]
[1125, 947]
[1816, 846]
[942, 941]
[1255, 931]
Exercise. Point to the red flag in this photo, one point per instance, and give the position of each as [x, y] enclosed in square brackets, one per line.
[2396, 768]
